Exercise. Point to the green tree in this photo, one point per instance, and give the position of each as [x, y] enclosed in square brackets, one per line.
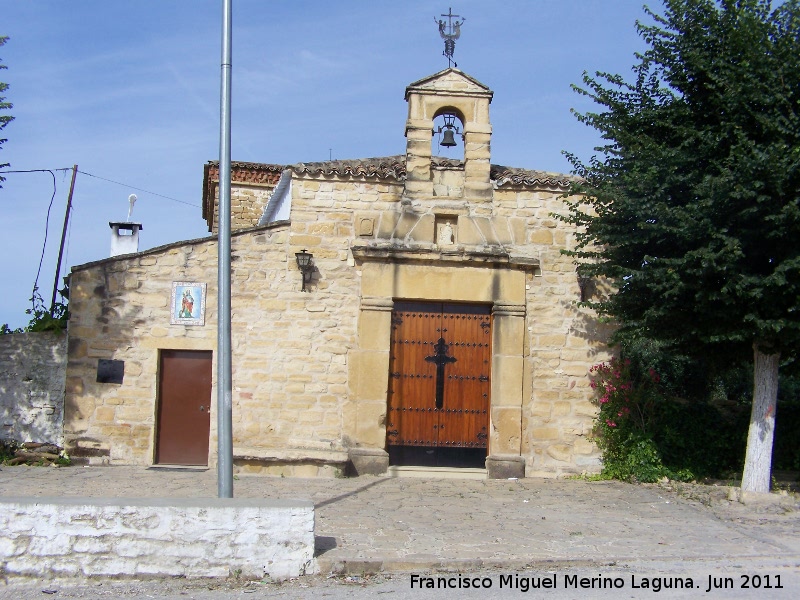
[691, 207]
[4, 119]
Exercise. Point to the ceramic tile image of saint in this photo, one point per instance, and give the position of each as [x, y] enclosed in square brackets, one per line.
[188, 303]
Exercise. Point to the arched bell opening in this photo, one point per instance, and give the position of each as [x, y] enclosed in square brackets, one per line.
[448, 134]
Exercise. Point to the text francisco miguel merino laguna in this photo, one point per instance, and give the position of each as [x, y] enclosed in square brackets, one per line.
[655, 584]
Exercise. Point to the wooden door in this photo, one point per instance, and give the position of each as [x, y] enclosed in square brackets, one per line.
[184, 391]
[438, 412]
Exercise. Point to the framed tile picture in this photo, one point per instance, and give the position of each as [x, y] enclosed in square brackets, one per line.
[188, 306]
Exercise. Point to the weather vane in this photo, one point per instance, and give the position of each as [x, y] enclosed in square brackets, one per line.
[450, 32]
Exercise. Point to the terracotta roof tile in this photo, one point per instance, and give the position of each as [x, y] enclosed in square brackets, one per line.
[389, 167]
[394, 167]
[526, 177]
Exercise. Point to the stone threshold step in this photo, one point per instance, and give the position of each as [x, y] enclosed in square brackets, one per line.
[168, 467]
[437, 472]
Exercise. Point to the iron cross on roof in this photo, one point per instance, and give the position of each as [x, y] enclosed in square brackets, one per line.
[450, 32]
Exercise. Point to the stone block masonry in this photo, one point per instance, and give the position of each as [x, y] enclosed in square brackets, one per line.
[312, 358]
[208, 537]
[283, 399]
[310, 368]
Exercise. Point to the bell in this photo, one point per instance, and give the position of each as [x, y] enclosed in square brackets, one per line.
[448, 140]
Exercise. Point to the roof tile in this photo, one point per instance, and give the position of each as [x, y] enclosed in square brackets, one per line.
[394, 167]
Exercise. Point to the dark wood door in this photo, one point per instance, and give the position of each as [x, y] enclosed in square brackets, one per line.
[184, 391]
[439, 382]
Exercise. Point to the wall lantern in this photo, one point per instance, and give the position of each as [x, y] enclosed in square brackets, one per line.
[306, 266]
[585, 285]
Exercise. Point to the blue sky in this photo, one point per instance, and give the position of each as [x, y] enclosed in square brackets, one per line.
[129, 91]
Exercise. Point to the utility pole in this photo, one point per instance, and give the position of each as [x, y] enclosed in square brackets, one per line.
[224, 370]
[63, 238]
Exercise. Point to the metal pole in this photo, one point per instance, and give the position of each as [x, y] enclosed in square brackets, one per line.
[224, 372]
[63, 238]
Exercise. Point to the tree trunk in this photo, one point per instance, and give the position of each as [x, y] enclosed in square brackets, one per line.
[758, 460]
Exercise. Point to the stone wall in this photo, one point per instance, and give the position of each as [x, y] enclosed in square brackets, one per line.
[32, 372]
[300, 361]
[561, 340]
[289, 348]
[57, 537]
[251, 186]
[247, 205]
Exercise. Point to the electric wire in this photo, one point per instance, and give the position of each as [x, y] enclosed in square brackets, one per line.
[139, 189]
[46, 227]
[36, 170]
[50, 207]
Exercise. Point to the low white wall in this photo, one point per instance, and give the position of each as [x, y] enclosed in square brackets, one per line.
[206, 537]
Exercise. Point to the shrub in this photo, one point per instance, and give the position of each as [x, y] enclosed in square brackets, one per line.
[41, 318]
[7, 449]
[678, 424]
[625, 423]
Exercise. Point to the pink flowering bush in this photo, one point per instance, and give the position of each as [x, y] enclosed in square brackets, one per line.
[625, 405]
[623, 422]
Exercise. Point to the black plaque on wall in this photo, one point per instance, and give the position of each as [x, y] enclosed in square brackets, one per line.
[110, 371]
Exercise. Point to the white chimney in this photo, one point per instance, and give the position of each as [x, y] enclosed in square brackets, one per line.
[124, 238]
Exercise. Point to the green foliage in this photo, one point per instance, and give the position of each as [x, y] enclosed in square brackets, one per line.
[697, 190]
[7, 450]
[41, 318]
[786, 451]
[636, 460]
[692, 206]
[701, 437]
[63, 459]
[4, 119]
[689, 427]
[624, 423]
[700, 409]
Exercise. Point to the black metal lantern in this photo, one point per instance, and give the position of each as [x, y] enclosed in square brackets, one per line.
[306, 265]
[585, 284]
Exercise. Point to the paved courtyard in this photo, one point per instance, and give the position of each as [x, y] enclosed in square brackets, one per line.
[404, 524]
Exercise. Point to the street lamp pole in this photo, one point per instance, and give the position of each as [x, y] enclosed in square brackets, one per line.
[224, 371]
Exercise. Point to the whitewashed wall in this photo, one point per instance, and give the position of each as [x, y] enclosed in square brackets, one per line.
[32, 376]
[207, 537]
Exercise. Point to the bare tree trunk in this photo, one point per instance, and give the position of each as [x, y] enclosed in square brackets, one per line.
[758, 460]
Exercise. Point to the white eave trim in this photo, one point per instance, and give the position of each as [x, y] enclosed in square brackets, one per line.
[279, 204]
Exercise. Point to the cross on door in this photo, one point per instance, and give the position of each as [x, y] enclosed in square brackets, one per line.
[441, 359]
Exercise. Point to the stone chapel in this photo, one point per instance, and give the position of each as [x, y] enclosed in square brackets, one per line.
[389, 314]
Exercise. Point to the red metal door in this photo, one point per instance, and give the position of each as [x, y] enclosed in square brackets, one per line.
[438, 408]
[184, 392]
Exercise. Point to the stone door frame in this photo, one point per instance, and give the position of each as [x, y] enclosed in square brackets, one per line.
[503, 286]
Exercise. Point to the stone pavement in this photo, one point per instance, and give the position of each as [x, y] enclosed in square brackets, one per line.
[370, 524]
